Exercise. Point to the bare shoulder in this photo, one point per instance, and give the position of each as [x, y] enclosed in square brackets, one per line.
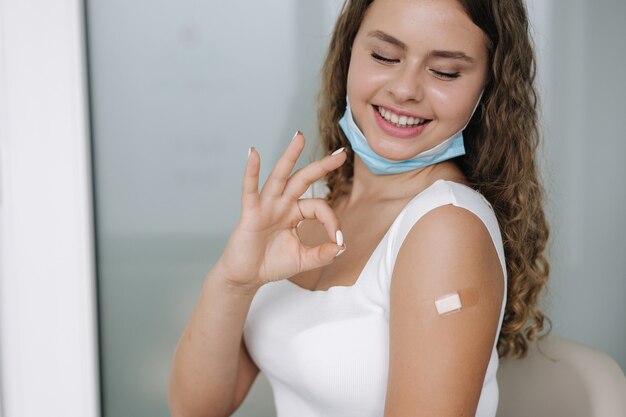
[443, 358]
[448, 247]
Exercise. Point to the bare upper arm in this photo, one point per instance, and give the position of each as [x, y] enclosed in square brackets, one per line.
[246, 375]
[438, 363]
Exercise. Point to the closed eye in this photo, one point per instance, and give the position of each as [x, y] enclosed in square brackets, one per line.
[446, 75]
[383, 59]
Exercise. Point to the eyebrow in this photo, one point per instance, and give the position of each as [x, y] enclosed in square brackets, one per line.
[436, 53]
[387, 38]
[452, 55]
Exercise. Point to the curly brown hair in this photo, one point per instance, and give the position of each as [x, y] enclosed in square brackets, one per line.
[501, 142]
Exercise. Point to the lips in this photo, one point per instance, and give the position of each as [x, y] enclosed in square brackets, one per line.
[404, 126]
[399, 119]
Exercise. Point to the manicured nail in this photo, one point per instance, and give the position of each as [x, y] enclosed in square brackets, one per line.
[342, 250]
[339, 237]
[296, 134]
[338, 151]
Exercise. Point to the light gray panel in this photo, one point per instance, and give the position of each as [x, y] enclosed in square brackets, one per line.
[585, 172]
[179, 91]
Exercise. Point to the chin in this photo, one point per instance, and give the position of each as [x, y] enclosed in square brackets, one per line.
[394, 154]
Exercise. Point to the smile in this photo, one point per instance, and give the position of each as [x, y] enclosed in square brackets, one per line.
[400, 120]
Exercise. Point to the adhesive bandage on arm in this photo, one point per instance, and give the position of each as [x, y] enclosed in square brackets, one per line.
[455, 301]
[448, 303]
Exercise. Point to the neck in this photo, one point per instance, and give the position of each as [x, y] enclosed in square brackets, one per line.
[369, 186]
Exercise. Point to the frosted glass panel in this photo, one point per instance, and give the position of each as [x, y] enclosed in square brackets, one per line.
[179, 90]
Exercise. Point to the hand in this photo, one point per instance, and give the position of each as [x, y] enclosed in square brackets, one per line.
[264, 246]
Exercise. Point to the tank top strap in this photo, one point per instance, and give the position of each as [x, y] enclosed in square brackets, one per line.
[440, 193]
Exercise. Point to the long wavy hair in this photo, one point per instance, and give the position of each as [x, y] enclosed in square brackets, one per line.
[501, 142]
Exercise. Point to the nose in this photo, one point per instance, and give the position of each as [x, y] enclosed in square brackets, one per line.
[406, 85]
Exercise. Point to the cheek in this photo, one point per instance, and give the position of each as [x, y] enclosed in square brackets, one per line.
[363, 76]
[452, 104]
[353, 81]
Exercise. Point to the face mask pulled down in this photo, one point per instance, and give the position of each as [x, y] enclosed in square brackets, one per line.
[448, 149]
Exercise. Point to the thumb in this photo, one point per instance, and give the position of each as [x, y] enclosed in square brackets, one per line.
[321, 255]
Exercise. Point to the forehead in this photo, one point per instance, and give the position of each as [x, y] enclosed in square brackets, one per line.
[424, 23]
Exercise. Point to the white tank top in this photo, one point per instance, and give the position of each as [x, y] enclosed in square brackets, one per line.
[325, 353]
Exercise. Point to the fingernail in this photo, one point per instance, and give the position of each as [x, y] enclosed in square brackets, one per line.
[342, 250]
[249, 151]
[296, 134]
[338, 151]
[339, 237]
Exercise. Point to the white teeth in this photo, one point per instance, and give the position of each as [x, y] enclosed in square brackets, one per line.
[400, 121]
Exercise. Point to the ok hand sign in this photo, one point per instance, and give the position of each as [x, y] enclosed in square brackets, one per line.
[264, 245]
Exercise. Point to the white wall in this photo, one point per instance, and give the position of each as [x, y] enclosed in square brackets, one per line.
[48, 352]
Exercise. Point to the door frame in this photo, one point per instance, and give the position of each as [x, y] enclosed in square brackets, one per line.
[48, 314]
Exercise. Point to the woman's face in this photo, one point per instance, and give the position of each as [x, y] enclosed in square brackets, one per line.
[416, 72]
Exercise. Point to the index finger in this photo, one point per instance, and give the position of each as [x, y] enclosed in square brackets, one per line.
[277, 179]
[301, 180]
[250, 187]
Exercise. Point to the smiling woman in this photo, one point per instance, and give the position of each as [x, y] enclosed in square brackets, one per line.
[387, 277]
[178, 92]
[406, 61]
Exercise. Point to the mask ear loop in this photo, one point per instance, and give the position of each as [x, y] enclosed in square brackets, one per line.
[446, 143]
[480, 96]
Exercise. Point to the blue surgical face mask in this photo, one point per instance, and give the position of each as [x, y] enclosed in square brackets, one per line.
[448, 149]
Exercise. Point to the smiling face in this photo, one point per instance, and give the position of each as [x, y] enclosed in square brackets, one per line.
[416, 72]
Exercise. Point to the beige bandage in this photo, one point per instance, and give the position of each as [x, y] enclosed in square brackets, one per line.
[455, 301]
[448, 303]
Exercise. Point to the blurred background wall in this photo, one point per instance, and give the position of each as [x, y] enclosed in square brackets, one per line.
[585, 140]
[180, 89]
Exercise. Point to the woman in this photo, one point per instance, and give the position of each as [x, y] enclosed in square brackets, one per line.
[432, 206]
